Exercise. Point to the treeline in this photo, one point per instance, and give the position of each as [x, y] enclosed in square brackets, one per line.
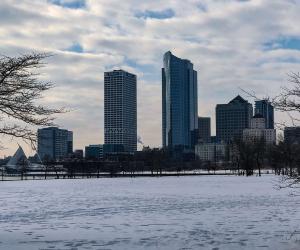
[283, 158]
[242, 158]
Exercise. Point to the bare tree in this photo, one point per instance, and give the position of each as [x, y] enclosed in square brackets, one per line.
[289, 99]
[284, 157]
[20, 88]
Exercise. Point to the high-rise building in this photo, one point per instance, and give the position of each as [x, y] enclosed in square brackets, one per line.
[204, 129]
[70, 142]
[292, 135]
[266, 109]
[258, 131]
[120, 109]
[233, 118]
[179, 102]
[54, 143]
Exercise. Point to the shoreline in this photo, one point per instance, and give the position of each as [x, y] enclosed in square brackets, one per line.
[53, 176]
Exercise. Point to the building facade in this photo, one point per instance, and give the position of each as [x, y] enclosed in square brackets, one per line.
[258, 131]
[266, 109]
[99, 151]
[213, 152]
[204, 129]
[120, 109]
[94, 151]
[54, 143]
[292, 135]
[78, 154]
[179, 103]
[232, 119]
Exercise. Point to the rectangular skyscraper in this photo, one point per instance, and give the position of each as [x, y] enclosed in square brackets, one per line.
[232, 119]
[120, 111]
[266, 109]
[204, 129]
[54, 143]
[179, 102]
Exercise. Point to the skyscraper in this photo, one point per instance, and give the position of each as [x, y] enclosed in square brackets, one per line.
[266, 109]
[120, 112]
[179, 102]
[54, 143]
[258, 131]
[233, 118]
[204, 129]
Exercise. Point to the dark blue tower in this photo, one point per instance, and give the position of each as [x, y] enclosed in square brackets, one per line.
[179, 102]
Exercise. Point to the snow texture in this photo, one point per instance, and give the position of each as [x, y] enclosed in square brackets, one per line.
[200, 212]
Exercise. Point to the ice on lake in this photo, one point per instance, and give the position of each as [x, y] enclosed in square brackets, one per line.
[200, 212]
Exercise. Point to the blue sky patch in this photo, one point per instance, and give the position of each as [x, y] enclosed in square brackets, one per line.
[284, 43]
[202, 7]
[76, 47]
[72, 4]
[163, 14]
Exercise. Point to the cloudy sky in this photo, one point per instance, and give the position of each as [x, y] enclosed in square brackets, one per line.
[233, 44]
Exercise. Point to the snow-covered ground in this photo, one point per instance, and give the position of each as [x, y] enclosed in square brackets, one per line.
[200, 212]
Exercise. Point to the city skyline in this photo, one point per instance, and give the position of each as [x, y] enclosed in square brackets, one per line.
[86, 41]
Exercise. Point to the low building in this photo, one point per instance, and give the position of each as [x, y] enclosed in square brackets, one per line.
[99, 151]
[258, 131]
[214, 152]
[78, 154]
[94, 151]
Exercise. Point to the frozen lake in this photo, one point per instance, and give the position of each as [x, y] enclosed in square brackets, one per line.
[201, 212]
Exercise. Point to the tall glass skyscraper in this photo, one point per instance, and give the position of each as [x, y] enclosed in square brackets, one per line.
[179, 102]
[120, 112]
[266, 109]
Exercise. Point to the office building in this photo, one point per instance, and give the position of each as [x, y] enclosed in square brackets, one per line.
[232, 119]
[78, 154]
[258, 131]
[292, 135]
[179, 103]
[70, 142]
[204, 129]
[266, 109]
[213, 152]
[94, 151]
[213, 139]
[120, 109]
[99, 151]
[54, 143]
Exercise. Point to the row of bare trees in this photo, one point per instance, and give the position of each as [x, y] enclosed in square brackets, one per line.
[283, 157]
